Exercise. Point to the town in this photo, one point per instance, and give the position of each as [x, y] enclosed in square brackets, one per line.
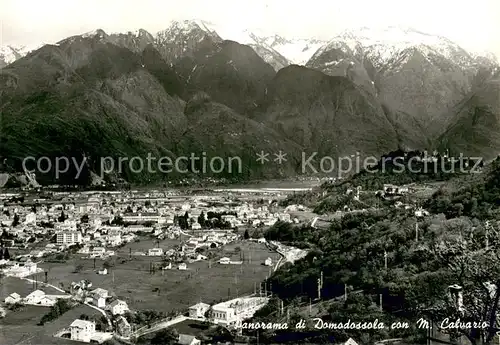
[102, 266]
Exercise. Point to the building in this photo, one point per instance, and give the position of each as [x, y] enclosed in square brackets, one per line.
[82, 330]
[69, 237]
[123, 327]
[118, 307]
[155, 252]
[182, 266]
[198, 310]
[98, 251]
[35, 297]
[99, 301]
[185, 339]
[223, 314]
[225, 261]
[230, 312]
[30, 218]
[99, 297]
[13, 298]
[268, 262]
[390, 189]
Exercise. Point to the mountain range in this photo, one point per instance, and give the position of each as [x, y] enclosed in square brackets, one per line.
[194, 87]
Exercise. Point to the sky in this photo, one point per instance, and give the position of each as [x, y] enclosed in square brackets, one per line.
[475, 25]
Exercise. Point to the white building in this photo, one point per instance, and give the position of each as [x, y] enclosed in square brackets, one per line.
[82, 330]
[118, 307]
[268, 262]
[225, 261]
[99, 297]
[13, 298]
[98, 251]
[35, 297]
[155, 252]
[230, 312]
[30, 218]
[69, 237]
[198, 310]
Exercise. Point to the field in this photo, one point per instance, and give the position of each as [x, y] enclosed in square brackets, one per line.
[20, 327]
[131, 280]
[9, 285]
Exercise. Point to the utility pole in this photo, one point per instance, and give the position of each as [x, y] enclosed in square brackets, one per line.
[416, 232]
[380, 298]
[487, 244]
[46, 277]
[345, 291]
[385, 259]
[319, 288]
[130, 253]
[255, 288]
[94, 263]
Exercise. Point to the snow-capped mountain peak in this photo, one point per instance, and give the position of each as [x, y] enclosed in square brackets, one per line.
[10, 53]
[99, 33]
[185, 27]
[382, 44]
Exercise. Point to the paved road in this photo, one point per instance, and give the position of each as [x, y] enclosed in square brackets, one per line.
[161, 325]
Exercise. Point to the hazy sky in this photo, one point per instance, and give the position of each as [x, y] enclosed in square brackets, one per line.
[472, 24]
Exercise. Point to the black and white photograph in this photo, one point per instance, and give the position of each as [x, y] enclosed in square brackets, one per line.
[249, 172]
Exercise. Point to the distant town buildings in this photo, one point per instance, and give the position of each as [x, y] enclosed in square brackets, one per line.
[69, 237]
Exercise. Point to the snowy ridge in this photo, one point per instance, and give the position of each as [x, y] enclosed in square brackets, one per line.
[10, 53]
[380, 45]
[383, 44]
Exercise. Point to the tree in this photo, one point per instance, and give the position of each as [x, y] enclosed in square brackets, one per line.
[6, 254]
[15, 221]
[476, 272]
[107, 264]
[62, 217]
[246, 236]
[165, 337]
[201, 219]
[84, 218]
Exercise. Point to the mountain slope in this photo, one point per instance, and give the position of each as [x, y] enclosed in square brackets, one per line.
[101, 103]
[328, 115]
[476, 126]
[412, 73]
[218, 131]
[232, 74]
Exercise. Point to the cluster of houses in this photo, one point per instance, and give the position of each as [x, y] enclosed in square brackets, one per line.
[94, 224]
[37, 297]
[19, 269]
[110, 219]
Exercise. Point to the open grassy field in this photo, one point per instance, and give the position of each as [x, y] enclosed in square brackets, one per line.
[10, 285]
[20, 327]
[130, 279]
